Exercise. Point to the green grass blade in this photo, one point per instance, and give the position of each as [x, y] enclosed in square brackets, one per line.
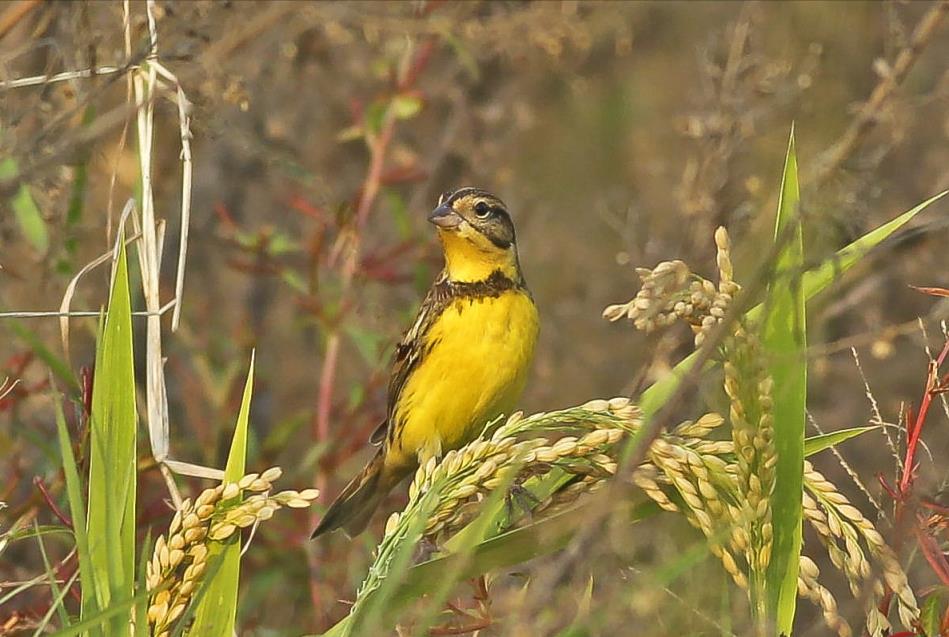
[816, 444]
[216, 612]
[117, 610]
[112, 454]
[784, 340]
[820, 277]
[57, 593]
[91, 597]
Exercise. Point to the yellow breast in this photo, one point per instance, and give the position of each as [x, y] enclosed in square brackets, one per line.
[478, 355]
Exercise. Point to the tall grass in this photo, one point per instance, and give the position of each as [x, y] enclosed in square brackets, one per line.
[113, 423]
[784, 340]
[216, 610]
[115, 587]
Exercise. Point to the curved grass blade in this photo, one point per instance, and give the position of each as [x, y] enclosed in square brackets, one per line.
[784, 340]
[216, 611]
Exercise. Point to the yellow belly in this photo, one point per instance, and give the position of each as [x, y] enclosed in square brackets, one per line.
[481, 350]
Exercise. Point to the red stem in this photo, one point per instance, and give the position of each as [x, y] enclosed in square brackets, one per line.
[932, 387]
[38, 481]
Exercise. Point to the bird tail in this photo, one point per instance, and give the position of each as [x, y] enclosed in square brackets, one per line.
[354, 506]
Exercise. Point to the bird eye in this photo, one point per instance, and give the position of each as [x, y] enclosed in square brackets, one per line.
[482, 210]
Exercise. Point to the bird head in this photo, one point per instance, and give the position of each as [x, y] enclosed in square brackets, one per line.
[477, 235]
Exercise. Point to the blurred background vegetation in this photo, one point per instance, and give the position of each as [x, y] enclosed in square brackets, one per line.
[619, 134]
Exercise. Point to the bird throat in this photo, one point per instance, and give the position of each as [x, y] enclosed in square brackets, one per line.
[471, 257]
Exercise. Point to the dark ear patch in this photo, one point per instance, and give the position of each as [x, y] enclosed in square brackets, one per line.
[500, 230]
[500, 242]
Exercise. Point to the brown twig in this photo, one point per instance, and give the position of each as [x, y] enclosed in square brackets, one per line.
[65, 519]
[14, 13]
[868, 116]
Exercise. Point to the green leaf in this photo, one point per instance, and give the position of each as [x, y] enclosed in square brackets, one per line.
[784, 340]
[112, 455]
[216, 612]
[820, 277]
[406, 106]
[55, 590]
[77, 509]
[31, 221]
[116, 610]
[24, 207]
[816, 444]
[368, 343]
[930, 613]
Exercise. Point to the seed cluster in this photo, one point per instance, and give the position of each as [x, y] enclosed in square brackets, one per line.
[810, 588]
[749, 389]
[444, 495]
[724, 488]
[179, 563]
[845, 531]
[671, 292]
[505, 459]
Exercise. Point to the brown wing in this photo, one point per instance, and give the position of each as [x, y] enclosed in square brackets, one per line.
[410, 351]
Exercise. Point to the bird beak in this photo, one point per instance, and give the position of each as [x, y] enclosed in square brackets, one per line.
[445, 218]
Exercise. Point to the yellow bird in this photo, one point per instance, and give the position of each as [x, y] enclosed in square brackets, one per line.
[462, 363]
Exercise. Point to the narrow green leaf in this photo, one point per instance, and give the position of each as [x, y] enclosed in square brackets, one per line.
[216, 612]
[816, 444]
[112, 455]
[116, 610]
[57, 605]
[77, 509]
[57, 593]
[27, 213]
[930, 613]
[30, 219]
[784, 340]
[820, 277]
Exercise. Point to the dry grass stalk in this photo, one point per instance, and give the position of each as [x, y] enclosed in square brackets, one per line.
[180, 562]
